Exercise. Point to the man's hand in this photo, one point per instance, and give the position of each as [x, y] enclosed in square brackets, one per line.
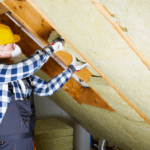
[73, 66]
[57, 44]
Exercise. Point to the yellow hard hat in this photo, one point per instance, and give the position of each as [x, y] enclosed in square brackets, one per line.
[6, 35]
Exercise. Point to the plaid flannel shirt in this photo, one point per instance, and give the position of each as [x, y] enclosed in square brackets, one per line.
[26, 67]
[15, 72]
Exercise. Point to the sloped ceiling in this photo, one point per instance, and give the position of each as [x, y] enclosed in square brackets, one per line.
[121, 57]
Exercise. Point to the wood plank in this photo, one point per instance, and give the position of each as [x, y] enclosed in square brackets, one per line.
[3, 9]
[29, 18]
[52, 68]
[86, 95]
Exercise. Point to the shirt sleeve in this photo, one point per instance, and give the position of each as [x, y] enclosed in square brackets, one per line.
[43, 88]
[26, 67]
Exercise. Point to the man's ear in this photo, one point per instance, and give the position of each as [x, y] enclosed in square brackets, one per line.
[14, 45]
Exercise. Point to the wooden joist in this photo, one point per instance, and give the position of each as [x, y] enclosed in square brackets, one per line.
[29, 18]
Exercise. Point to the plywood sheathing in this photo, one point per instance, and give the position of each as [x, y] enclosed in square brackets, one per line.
[93, 37]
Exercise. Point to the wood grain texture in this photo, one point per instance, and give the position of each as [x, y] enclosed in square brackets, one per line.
[29, 18]
[3, 9]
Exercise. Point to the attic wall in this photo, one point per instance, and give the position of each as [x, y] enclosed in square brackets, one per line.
[124, 128]
[134, 16]
[105, 90]
[118, 130]
[89, 118]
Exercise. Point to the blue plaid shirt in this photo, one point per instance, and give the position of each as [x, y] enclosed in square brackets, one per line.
[15, 72]
[25, 68]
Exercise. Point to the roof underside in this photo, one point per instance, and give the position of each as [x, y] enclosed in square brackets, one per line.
[115, 42]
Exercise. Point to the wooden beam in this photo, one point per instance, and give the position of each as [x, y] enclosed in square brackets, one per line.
[52, 68]
[3, 9]
[29, 18]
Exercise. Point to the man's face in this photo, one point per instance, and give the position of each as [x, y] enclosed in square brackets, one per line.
[5, 50]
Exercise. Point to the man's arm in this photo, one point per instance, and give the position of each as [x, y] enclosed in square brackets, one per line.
[43, 88]
[26, 67]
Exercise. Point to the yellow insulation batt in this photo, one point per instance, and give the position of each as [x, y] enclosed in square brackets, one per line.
[53, 135]
[91, 34]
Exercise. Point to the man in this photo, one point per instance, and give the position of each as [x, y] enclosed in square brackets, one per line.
[17, 84]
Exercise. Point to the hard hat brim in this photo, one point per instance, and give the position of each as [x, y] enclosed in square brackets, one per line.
[16, 38]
